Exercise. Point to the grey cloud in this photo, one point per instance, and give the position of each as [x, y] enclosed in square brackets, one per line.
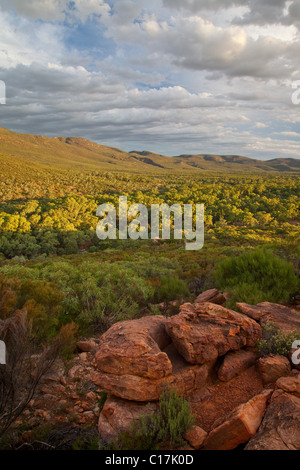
[56, 10]
[72, 101]
[198, 5]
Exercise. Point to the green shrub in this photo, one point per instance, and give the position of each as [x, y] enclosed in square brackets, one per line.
[256, 276]
[276, 341]
[171, 421]
[171, 288]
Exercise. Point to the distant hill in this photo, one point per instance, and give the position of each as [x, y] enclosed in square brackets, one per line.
[80, 154]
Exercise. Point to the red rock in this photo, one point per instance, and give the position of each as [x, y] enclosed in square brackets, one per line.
[236, 362]
[273, 367]
[117, 416]
[290, 385]
[213, 295]
[195, 437]
[87, 346]
[240, 426]
[280, 429]
[186, 379]
[267, 312]
[134, 347]
[202, 332]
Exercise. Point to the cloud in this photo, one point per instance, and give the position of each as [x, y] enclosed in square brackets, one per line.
[196, 6]
[197, 44]
[56, 10]
[260, 125]
[157, 76]
[271, 12]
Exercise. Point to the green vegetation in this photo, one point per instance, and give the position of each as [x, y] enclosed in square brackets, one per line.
[276, 341]
[256, 276]
[71, 284]
[167, 425]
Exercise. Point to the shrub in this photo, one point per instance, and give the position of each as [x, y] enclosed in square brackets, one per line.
[171, 288]
[255, 276]
[276, 341]
[171, 421]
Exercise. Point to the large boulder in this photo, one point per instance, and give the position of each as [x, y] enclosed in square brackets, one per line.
[117, 416]
[273, 367]
[280, 429]
[134, 347]
[240, 426]
[267, 312]
[236, 362]
[202, 332]
[135, 362]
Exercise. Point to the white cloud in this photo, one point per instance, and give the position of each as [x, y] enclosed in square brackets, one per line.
[172, 81]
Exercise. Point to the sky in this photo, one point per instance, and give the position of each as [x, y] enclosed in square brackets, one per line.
[168, 76]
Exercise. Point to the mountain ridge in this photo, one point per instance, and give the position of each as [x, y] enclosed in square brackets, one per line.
[81, 154]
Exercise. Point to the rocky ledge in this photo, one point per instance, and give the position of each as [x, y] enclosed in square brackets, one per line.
[208, 353]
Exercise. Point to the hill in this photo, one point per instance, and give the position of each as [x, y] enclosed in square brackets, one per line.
[80, 154]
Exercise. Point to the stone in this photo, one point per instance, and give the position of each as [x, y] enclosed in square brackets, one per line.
[273, 367]
[213, 295]
[117, 416]
[267, 312]
[202, 332]
[134, 348]
[185, 377]
[240, 426]
[135, 360]
[195, 437]
[236, 362]
[290, 385]
[87, 346]
[280, 429]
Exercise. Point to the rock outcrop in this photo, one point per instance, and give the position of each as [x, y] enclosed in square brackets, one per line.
[213, 296]
[267, 312]
[133, 365]
[273, 367]
[236, 362]
[240, 426]
[117, 416]
[202, 332]
[280, 429]
[207, 352]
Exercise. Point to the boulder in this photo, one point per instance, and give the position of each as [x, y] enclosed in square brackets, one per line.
[117, 416]
[202, 332]
[281, 425]
[185, 377]
[236, 362]
[195, 437]
[240, 426]
[134, 347]
[87, 346]
[267, 312]
[290, 385]
[213, 295]
[273, 367]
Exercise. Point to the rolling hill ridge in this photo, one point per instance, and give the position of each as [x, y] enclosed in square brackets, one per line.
[80, 154]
